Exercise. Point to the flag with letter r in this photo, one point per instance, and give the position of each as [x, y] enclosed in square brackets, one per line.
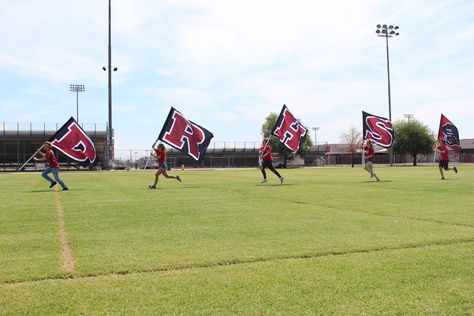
[74, 142]
[449, 133]
[378, 129]
[184, 135]
[289, 130]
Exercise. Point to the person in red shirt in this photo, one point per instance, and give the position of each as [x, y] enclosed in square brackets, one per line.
[369, 153]
[265, 160]
[53, 166]
[160, 155]
[443, 158]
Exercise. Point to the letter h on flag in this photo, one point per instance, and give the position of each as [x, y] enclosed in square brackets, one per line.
[289, 130]
[186, 136]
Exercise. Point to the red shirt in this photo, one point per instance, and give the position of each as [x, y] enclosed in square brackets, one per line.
[266, 153]
[160, 156]
[443, 152]
[51, 159]
[369, 152]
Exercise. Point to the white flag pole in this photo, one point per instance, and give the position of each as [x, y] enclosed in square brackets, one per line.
[36, 152]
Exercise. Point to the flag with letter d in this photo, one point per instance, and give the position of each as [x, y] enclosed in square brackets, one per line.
[449, 133]
[73, 141]
[186, 136]
[378, 129]
[289, 130]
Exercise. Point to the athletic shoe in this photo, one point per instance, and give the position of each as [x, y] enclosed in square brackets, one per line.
[455, 169]
[281, 180]
[65, 189]
[52, 184]
[264, 181]
[178, 178]
[152, 186]
[378, 180]
[442, 178]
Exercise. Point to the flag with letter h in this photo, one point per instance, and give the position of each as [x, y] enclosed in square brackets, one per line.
[289, 130]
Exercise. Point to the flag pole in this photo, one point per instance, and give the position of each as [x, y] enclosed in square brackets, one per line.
[36, 152]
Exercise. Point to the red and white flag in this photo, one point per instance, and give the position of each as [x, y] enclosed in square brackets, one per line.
[289, 130]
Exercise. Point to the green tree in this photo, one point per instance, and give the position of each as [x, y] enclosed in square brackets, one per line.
[280, 148]
[414, 138]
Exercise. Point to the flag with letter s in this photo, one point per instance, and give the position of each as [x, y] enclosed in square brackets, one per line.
[378, 129]
[449, 133]
[184, 135]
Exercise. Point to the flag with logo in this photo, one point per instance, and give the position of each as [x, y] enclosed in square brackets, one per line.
[184, 135]
[289, 130]
[74, 142]
[449, 133]
[378, 129]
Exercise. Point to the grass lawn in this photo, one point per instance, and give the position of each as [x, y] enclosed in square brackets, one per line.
[327, 241]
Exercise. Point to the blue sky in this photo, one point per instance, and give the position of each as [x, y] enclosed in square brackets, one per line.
[227, 64]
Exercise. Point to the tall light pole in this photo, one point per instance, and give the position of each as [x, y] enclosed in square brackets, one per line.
[110, 130]
[315, 129]
[77, 88]
[388, 31]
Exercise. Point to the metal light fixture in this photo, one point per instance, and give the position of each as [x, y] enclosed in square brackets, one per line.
[388, 31]
[77, 88]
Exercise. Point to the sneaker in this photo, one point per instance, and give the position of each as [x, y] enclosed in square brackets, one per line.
[455, 169]
[264, 181]
[52, 184]
[442, 178]
[65, 189]
[152, 186]
[281, 180]
[178, 178]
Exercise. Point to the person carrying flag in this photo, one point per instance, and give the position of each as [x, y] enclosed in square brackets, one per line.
[369, 153]
[443, 158]
[266, 161]
[53, 166]
[160, 155]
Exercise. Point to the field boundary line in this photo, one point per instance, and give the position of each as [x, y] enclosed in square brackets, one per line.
[67, 260]
[236, 262]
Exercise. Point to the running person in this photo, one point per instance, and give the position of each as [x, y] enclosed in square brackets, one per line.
[369, 159]
[53, 166]
[266, 161]
[160, 155]
[443, 158]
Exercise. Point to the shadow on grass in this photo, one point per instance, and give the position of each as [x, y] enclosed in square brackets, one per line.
[174, 188]
[373, 181]
[51, 190]
[274, 184]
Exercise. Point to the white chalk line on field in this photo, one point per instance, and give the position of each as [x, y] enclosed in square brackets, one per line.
[237, 262]
[67, 260]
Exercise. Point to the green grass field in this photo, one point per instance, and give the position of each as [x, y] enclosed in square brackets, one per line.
[328, 241]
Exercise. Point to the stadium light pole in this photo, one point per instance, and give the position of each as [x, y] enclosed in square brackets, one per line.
[409, 116]
[388, 31]
[110, 130]
[77, 88]
[315, 129]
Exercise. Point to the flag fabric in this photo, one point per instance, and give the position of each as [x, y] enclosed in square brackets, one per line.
[184, 135]
[378, 129]
[289, 130]
[74, 142]
[449, 133]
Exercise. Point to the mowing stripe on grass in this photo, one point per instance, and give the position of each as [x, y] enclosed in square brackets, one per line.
[235, 262]
[433, 221]
[68, 263]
